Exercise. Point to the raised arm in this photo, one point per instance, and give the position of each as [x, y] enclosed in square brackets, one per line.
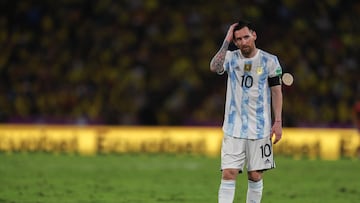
[217, 62]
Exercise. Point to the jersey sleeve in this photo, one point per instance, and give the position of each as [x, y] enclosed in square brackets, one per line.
[275, 68]
[227, 60]
[275, 72]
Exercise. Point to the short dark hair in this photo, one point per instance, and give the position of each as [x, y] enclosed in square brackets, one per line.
[244, 23]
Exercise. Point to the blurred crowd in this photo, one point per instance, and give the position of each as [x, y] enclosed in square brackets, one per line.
[146, 62]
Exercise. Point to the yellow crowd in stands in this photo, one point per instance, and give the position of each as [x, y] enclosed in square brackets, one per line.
[146, 62]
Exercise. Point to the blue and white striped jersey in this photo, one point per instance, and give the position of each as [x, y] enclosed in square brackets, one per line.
[248, 95]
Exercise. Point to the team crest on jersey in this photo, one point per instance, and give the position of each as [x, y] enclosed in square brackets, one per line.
[259, 70]
[247, 67]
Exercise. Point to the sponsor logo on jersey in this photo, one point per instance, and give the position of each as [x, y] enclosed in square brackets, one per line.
[278, 71]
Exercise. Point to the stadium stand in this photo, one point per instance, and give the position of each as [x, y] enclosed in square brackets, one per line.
[139, 62]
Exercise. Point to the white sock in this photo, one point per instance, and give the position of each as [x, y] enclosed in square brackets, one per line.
[226, 191]
[254, 192]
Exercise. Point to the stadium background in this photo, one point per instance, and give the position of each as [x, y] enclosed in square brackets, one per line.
[147, 62]
[132, 77]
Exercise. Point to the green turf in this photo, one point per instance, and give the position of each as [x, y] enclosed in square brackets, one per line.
[48, 178]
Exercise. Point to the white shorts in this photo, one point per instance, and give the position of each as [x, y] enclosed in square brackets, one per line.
[256, 154]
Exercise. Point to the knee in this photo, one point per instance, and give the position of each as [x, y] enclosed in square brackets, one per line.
[255, 176]
[229, 174]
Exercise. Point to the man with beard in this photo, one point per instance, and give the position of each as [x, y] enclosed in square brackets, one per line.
[253, 86]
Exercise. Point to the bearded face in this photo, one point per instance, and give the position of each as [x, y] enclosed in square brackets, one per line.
[244, 39]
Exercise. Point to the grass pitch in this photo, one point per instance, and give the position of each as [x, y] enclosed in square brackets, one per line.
[49, 178]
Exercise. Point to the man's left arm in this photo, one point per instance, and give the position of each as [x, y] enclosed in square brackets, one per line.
[277, 101]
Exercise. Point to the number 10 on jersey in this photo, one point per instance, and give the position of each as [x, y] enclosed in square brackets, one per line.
[247, 81]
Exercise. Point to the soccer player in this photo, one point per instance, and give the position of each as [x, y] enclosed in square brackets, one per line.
[253, 97]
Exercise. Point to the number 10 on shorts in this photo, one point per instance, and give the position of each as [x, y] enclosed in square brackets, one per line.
[265, 150]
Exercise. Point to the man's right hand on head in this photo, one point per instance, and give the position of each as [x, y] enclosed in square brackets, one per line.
[229, 36]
